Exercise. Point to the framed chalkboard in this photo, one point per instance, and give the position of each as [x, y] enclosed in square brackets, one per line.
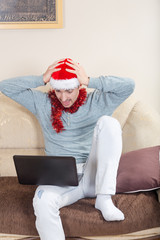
[16, 14]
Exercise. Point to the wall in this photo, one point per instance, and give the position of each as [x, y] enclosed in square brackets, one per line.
[110, 37]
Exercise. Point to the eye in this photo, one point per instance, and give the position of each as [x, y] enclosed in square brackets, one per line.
[57, 91]
[70, 90]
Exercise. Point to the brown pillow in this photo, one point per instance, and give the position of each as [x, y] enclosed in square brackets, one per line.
[139, 170]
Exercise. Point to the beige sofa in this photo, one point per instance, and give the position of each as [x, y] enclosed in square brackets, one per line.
[20, 133]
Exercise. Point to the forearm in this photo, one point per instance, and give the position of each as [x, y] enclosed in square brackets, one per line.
[16, 85]
[21, 90]
[111, 84]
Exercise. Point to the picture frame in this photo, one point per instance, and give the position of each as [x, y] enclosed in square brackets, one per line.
[31, 14]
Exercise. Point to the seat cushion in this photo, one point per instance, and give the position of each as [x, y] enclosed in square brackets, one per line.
[142, 211]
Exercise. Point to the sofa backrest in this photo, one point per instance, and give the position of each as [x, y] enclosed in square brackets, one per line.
[20, 132]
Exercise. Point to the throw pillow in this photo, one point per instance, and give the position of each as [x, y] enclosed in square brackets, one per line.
[139, 170]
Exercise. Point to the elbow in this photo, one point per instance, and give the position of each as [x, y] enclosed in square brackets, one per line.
[131, 85]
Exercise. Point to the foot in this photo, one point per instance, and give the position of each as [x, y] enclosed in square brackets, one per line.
[109, 211]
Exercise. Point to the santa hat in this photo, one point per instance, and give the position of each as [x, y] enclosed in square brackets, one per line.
[63, 79]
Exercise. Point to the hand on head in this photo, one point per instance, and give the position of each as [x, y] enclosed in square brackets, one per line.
[79, 71]
[52, 68]
[74, 68]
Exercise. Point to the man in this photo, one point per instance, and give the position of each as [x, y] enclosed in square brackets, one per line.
[77, 124]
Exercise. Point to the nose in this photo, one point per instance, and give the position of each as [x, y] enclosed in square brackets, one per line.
[63, 97]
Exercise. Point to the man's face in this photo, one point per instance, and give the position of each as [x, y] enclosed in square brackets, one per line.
[67, 97]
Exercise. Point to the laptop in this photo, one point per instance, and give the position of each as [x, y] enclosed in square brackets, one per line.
[46, 170]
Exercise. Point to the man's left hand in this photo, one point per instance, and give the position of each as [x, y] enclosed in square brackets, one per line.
[79, 71]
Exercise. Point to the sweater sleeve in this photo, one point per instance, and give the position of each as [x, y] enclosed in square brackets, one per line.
[110, 92]
[21, 90]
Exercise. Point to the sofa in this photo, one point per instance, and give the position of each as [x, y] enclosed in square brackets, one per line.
[20, 133]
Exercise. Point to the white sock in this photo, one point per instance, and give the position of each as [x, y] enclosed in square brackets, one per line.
[109, 211]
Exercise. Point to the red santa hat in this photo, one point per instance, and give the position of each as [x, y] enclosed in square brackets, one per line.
[63, 79]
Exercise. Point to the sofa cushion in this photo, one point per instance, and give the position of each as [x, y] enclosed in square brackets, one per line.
[7, 167]
[17, 122]
[141, 129]
[142, 211]
[139, 170]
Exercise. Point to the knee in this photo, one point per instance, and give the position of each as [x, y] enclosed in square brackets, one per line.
[45, 199]
[109, 123]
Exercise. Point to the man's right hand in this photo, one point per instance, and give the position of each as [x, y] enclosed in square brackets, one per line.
[50, 70]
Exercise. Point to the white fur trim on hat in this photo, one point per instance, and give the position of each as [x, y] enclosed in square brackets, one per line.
[64, 84]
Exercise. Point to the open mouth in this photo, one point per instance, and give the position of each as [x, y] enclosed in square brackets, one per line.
[66, 103]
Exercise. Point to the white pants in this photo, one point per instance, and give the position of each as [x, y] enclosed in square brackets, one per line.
[99, 178]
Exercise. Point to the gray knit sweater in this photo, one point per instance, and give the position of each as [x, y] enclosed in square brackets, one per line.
[109, 92]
